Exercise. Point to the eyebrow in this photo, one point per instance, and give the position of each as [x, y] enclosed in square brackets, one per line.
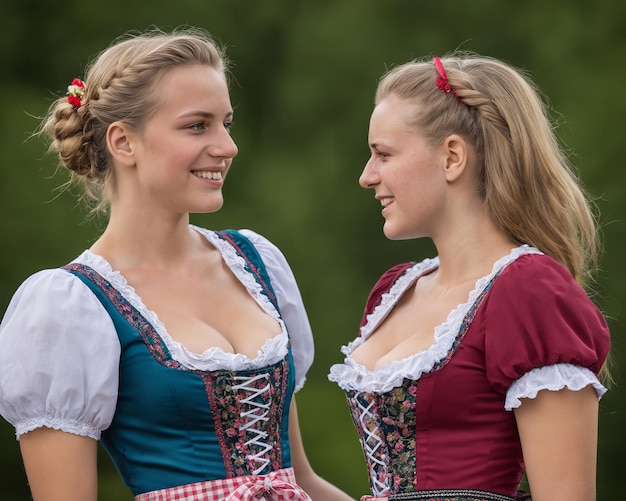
[205, 114]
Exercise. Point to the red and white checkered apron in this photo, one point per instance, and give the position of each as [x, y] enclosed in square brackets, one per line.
[279, 485]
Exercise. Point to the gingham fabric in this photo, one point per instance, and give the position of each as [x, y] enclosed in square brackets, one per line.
[279, 485]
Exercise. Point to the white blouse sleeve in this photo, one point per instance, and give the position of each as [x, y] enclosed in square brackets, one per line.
[554, 378]
[59, 357]
[290, 304]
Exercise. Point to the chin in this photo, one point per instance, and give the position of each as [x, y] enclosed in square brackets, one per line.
[398, 234]
[394, 236]
[209, 209]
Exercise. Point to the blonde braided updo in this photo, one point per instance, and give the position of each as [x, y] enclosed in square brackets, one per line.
[120, 86]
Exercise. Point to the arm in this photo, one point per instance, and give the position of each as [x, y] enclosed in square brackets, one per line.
[558, 432]
[60, 465]
[314, 485]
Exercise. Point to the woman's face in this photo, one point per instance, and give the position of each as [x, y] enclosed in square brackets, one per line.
[405, 171]
[183, 153]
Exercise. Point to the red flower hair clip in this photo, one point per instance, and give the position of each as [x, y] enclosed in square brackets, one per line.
[442, 80]
[75, 92]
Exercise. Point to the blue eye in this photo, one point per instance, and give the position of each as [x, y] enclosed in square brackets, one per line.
[197, 126]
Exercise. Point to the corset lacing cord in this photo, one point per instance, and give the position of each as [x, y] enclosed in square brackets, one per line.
[372, 435]
[256, 414]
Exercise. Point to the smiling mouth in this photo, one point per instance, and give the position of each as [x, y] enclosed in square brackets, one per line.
[207, 174]
[386, 201]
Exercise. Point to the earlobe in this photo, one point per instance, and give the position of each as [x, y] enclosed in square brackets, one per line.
[456, 149]
[119, 143]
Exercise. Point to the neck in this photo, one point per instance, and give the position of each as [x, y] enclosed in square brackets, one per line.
[135, 241]
[470, 252]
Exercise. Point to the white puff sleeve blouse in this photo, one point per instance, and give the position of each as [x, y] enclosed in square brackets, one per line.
[59, 351]
[59, 356]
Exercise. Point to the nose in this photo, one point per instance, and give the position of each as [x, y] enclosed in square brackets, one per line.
[369, 177]
[224, 146]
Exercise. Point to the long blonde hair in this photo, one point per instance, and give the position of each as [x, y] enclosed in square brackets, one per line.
[528, 186]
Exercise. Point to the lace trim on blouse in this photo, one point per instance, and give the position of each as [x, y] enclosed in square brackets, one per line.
[353, 376]
[553, 378]
[273, 350]
[57, 423]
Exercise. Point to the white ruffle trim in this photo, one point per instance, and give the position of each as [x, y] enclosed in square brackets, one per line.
[553, 378]
[67, 425]
[353, 376]
[299, 385]
[272, 351]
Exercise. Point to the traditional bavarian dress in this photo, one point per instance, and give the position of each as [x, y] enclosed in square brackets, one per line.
[80, 352]
[438, 425]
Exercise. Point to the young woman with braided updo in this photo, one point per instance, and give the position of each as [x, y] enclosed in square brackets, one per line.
[179, 348]
[481, 364]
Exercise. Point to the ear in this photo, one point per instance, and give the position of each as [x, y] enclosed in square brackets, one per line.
[119, 142]
[456, 151]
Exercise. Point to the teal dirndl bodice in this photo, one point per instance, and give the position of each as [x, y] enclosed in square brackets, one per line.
[174, 425]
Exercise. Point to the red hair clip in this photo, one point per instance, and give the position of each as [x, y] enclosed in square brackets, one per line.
[75, 93]
[442, 80]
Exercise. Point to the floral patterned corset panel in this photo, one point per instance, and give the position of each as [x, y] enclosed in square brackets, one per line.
[386, 426]
[246, 409]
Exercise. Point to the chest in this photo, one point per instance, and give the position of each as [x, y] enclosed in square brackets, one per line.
[408, 326]
[206, 309]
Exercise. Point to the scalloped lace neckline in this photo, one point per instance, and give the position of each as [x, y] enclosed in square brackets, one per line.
[352, 375]
[274, 348]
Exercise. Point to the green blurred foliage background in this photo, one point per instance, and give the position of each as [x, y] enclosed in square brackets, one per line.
[304, 74]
